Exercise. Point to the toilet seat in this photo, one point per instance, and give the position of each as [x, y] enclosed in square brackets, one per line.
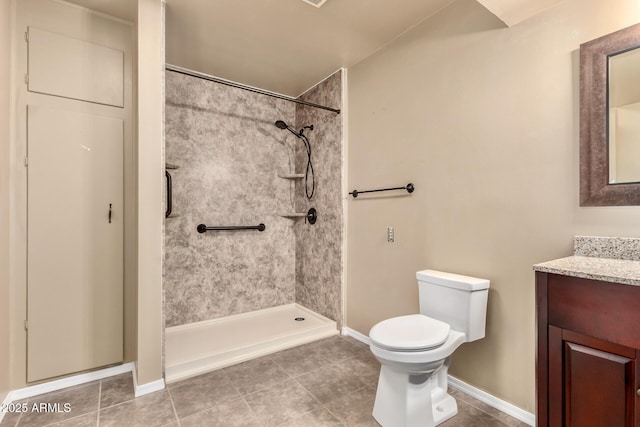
[412, 333]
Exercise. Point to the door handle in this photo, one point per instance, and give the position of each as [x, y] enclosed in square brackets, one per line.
[109, 213]
[169, 194]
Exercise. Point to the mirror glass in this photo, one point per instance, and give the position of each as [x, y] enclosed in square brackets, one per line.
[624, 117]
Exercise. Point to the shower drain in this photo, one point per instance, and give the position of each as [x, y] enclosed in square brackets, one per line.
[299, 319]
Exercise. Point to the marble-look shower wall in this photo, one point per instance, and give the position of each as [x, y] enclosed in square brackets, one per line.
[229, 154]
[319, 246]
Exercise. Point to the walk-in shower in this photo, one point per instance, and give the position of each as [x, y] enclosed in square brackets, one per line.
[235, 290]
[280, 124]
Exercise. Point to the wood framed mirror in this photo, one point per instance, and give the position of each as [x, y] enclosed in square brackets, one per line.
[610, 119]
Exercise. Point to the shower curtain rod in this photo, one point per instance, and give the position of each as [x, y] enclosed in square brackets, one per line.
[192, 73]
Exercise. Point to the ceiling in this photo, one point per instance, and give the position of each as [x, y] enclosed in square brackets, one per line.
[512, 12]
[287, 46]
[122, 9]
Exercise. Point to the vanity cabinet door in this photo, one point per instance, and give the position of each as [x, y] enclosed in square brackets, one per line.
[591, 382]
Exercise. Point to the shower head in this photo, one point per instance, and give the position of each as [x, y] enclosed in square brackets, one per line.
[281, 125]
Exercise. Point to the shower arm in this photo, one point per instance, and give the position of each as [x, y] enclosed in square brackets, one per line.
[293, 131]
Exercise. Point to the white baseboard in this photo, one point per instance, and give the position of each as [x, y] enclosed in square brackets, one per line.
[142, 389]
[483, 396]
[356, 335]
[491, 400]
[34, 390]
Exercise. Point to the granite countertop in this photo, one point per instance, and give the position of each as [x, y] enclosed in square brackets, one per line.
[610, 259]
[623, 271]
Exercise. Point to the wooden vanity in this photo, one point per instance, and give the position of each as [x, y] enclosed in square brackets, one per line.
[588, 340]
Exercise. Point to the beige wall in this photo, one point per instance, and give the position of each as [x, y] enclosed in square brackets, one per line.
[5, 90]
[483, 120]
[150, 179]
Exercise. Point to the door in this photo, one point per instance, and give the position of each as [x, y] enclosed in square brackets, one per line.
[592, 382]
[74, 242]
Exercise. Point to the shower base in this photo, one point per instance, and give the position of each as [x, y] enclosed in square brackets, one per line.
[201, 347]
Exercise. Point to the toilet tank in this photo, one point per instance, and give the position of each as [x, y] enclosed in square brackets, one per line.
[460, 301]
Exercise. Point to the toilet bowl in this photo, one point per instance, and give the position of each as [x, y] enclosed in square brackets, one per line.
[415, 350]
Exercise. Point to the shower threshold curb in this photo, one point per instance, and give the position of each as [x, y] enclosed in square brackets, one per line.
[196, 348]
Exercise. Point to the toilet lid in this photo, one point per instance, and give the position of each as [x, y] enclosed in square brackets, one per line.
[409, 333]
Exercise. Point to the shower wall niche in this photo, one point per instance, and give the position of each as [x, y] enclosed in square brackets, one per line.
[229, 156]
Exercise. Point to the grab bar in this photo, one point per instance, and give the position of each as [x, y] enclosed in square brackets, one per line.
[202, 228]
[409, 187]
[169, 194]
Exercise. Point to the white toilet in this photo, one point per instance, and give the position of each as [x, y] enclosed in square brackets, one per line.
[415, 351]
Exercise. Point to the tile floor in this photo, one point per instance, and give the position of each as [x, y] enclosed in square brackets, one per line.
[326, 383]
